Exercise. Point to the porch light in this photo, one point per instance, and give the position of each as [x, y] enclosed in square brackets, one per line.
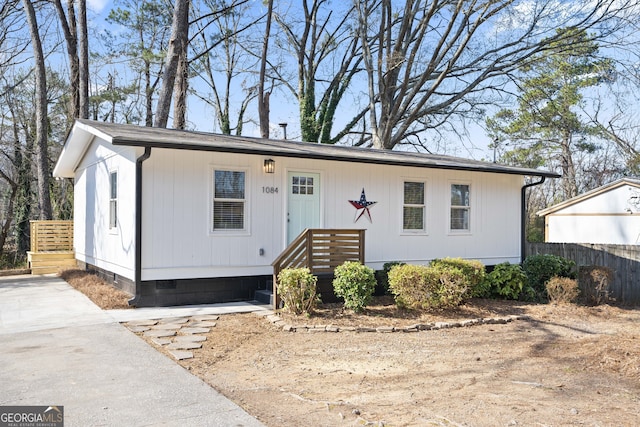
[269, 166]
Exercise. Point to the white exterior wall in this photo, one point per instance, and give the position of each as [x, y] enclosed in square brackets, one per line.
[94, 242]
[177, 199]
[606, 218]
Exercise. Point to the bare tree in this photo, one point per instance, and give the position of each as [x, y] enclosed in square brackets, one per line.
[177, 49]
[77, 53]
[328, 55]
[263, 97]
[69, 30]
[222, 60]
[41, 142]
[426, 60]
[83, 87]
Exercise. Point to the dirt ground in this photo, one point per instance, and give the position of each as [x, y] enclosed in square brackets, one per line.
[563, 365]
[560, 365]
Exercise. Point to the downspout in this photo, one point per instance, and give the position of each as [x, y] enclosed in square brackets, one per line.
[523, 216]
[138, 226]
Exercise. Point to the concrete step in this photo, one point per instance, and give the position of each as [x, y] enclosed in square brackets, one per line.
[264, 296]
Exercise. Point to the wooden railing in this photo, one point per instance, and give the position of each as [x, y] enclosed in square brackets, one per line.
[320, 250]
[51, 236]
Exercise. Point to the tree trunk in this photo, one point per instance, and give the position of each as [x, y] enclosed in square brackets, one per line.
[569, 181]
[42, 159]
[177, 44]
[180, 93]
[23, 204]
[263, 98]
[83, 87]
[9, 214]
[68, 24]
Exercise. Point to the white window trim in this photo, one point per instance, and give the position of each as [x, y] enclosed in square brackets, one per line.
[451, 231]
[246, 231]
[113, 229]
[425, 228]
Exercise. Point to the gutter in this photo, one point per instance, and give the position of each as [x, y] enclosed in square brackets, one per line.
[138, 226]
[523, 216]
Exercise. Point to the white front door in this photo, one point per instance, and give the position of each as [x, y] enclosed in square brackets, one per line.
[303, 204]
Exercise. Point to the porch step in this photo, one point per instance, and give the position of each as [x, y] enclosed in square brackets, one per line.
[264, 296]
[50, 262]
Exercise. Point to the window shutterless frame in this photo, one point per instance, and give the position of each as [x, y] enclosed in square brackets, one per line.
[229, 201]
[414, 206]
[460, 208]
[113, 200]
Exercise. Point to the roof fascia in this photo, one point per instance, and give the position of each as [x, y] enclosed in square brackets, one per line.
[318, 156]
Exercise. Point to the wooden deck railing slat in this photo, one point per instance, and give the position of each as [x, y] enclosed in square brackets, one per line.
[50, 236]
[321, 250]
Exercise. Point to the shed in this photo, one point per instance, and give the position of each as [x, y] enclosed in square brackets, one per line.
[179, 217]
[609, 214]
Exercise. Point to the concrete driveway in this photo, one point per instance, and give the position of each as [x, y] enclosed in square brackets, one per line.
[58, 348]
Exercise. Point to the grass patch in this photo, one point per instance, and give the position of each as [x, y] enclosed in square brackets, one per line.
[104, 295]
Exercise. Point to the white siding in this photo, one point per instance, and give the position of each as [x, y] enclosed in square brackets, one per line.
[603, 229]
[177, 194]
[608, 217]
[94, 241]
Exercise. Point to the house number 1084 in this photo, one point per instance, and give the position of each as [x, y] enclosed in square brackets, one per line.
[270, 190]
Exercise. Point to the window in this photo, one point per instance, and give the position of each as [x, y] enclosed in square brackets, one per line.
[113, 199]
[302, 185]
[413, 206]
[460, 207]
[229, 200]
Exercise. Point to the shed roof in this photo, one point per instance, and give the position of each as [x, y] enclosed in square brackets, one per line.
[137, 136]
[634, 182]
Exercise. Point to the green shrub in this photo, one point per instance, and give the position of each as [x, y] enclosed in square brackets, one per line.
[562, 289]
[354, 283]
[473, 270]
[507, 281]
[409, 285]
[454, 286]
[436, 286]
[382, 277]
[540, 268]
[297, 288]
[594, 282]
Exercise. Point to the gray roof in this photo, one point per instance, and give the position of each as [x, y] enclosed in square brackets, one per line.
[138, 136]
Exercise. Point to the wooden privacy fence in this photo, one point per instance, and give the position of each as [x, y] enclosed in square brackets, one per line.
[51, 236]
[320, 250]
[624, 260]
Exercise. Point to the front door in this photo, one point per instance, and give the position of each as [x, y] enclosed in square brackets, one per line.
[303, 204]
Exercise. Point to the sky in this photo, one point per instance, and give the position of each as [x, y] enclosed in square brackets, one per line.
[284, 108]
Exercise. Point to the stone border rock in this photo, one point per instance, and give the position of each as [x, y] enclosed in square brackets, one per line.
[277, 321]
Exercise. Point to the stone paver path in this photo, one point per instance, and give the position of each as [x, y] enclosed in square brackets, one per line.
[177, 335]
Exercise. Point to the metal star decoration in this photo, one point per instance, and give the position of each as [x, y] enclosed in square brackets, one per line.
[362, 207]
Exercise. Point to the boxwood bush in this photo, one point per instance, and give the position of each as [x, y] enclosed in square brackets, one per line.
[297, 288]
[382, 277]
[355, 283]
[422, 287]
[473, 270]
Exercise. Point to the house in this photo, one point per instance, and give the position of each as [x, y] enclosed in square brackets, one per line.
[609, 214]
[177, 217]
